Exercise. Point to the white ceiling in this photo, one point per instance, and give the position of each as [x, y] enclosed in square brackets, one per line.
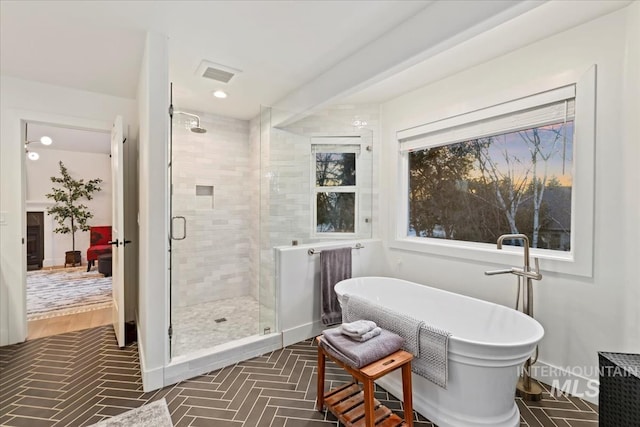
[68, 139]
[279, 45]
[510, 35]
[287, 50]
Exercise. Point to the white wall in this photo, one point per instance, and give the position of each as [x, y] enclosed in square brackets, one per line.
[32, 101]
[298, 284]
[153, 103]
[80, 165]
[581, 315]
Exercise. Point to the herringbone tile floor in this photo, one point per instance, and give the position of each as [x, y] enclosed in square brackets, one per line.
[80, 378]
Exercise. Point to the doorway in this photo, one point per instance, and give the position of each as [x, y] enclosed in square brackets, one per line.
[65, 293]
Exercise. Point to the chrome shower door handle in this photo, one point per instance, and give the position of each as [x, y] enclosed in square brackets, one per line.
[173, 228]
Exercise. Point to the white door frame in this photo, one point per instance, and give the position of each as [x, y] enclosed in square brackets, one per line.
[15, 306]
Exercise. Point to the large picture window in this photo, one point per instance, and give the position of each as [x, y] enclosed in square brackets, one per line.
[510, 172]
[335, 186]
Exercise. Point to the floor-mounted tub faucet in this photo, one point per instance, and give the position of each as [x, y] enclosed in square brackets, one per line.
[525, 388]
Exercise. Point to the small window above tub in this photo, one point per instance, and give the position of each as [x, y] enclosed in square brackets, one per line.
[335, 185]
[522, 166]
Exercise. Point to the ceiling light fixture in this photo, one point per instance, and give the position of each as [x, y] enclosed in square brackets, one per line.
[220, 94]
[359, 123]
[32, 155]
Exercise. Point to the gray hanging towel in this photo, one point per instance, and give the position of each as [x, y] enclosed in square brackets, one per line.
[335, 265]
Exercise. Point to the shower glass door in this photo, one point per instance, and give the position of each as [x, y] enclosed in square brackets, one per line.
[215, 297]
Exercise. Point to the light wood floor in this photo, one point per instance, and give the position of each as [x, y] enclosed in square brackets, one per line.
[71, 322]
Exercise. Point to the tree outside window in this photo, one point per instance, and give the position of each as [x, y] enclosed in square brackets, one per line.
[476, 190]
[335, 188]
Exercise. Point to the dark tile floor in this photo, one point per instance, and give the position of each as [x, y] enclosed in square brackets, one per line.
[80, 378]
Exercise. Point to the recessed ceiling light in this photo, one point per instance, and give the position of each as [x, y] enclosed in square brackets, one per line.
[45, 140]
[220, 94]
[32, 155]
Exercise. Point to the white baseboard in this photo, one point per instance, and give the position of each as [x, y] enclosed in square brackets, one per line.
[185, 367]
[4, 336]
[567, 381]
[152, 379]
[301, 333]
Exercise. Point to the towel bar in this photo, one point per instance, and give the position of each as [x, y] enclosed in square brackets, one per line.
[314, 252]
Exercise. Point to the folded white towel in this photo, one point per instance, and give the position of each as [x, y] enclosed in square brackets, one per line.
[357, 328]
[372, 333]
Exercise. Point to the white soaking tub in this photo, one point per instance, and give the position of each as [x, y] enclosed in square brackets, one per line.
[488, 345]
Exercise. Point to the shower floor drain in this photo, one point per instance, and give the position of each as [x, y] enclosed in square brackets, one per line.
[220, 320]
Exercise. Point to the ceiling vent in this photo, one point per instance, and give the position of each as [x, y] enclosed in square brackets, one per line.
[217, 72]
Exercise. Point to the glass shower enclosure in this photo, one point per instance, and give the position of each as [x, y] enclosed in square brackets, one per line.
[216, 297]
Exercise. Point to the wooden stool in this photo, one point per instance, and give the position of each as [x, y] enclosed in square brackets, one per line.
[357, 407]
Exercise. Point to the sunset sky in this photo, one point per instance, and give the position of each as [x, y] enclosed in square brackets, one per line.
[518, 149]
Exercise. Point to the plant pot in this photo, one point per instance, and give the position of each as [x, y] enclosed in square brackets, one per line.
[73, 258]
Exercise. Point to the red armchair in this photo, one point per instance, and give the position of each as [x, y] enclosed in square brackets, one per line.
[100, 238]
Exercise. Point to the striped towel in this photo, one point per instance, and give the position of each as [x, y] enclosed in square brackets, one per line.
[429, 345]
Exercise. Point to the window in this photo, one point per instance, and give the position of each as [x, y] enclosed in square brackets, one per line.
[335, 185]
[476, 190]
[505, 169]
[568, 111]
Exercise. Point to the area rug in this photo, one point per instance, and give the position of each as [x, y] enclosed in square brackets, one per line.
[52, 293]
[154, 414]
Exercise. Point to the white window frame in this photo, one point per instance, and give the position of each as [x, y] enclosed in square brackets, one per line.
[579, 260]
[344, 141]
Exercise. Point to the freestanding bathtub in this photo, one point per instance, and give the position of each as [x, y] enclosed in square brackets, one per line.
[488, 345]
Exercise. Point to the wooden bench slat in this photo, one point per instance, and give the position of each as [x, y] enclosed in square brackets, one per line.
[341, 395]
[392, 421]
[346, 405]
[337, 389]
[379, 415]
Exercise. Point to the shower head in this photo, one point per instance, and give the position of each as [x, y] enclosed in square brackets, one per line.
[196, 128]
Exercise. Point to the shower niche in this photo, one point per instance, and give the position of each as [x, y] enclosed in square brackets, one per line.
[204, 197]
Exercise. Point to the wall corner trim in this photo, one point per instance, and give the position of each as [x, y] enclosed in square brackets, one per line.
[152, 379]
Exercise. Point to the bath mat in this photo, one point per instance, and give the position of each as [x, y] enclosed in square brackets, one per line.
[154, 414]
[52, 293]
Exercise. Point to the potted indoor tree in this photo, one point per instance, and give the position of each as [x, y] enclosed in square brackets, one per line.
[68, 211]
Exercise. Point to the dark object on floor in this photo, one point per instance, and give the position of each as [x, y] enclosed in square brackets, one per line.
[130, 332]
[72, 258]
[619, 399]
[100, 237]
[104, 264]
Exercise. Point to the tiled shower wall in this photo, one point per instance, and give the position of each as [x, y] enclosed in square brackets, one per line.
[261, 179]
[290, 209]
[285, 203]
[214, 261]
